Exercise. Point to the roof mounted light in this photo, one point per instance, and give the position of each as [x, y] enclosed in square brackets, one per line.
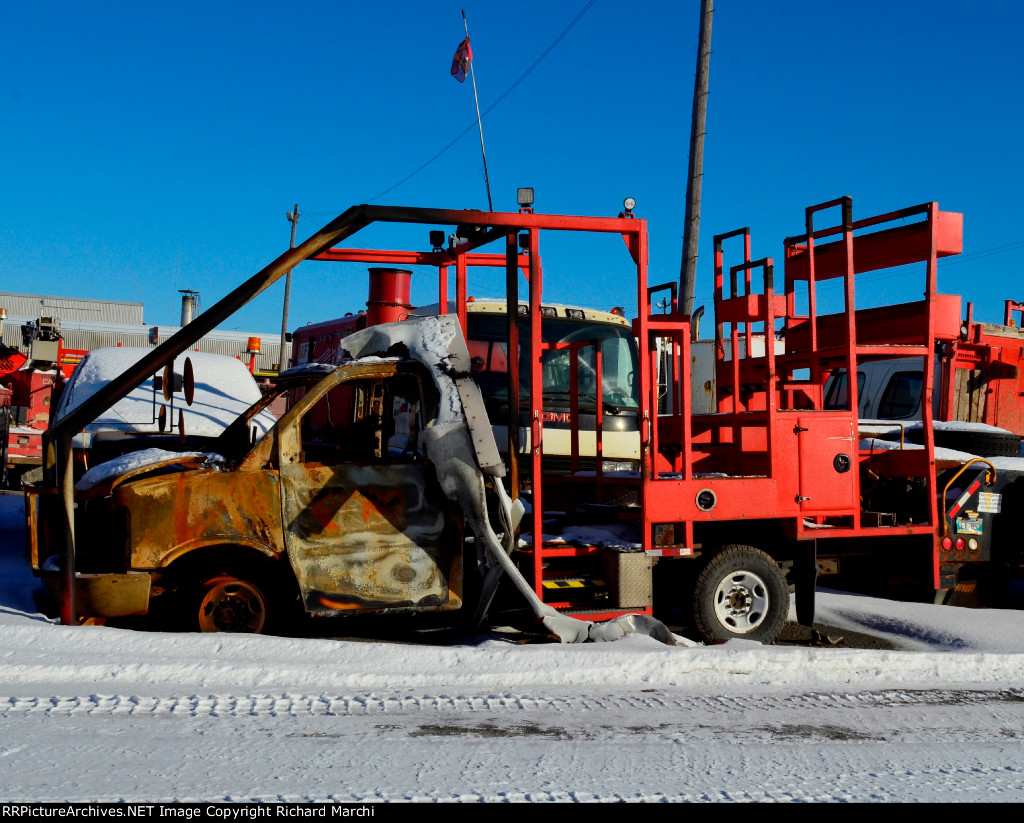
[621, 312]
[524, 197]
[628, 205]
[548, 311]
[575, 314]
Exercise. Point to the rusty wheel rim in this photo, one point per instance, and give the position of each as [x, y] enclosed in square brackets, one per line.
[232, 605]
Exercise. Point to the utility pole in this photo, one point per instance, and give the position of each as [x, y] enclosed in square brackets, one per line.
[691, 222]
[282, 357]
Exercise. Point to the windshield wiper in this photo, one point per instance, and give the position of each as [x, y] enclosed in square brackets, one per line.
[606, 405]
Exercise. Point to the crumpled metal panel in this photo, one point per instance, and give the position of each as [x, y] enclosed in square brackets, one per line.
[174, 513]
[366, 536]
[437, 342]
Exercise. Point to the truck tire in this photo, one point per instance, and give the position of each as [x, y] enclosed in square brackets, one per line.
[231, 604]
[234, 597]
[740, 593]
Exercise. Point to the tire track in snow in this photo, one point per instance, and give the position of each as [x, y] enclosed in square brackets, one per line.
[299, 705]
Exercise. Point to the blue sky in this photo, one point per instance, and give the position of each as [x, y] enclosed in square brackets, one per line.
[149, 148]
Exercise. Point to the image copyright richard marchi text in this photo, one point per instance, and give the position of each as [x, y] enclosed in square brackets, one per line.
[225, 811]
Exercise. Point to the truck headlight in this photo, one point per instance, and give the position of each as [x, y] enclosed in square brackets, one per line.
[620, 466]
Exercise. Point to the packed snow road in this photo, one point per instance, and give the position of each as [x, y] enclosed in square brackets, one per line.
[944, 746]
[98, 714]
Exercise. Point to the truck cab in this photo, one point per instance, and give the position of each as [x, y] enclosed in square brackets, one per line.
[336, 507]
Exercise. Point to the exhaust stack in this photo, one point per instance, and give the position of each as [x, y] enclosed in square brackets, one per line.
[189, 305]
[390, 290]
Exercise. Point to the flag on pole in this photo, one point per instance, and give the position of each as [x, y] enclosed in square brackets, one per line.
[460, 62]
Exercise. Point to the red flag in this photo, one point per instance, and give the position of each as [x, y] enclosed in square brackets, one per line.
[460, 62]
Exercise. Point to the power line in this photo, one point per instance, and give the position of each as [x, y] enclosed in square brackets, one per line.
[506, 93]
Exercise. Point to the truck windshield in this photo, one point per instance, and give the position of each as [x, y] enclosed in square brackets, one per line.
[488, 349]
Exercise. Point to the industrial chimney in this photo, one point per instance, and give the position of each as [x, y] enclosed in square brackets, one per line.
[189, 305]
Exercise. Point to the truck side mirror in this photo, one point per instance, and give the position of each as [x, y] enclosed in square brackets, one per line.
[189, 381]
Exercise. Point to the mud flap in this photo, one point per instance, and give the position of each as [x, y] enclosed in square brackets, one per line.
[805, 578]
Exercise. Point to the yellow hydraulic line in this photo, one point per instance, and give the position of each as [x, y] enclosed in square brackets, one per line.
[990, 478]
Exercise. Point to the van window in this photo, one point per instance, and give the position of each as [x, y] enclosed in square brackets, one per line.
[902, 396]
[838, 397]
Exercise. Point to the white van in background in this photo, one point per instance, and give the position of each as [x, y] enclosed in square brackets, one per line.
[224, 388]
[890, 391]
[886, 389]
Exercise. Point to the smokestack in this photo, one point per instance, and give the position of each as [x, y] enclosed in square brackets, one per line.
[389, 296]
[189, 305]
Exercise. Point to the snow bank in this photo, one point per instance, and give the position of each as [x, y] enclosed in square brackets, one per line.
[950, 648]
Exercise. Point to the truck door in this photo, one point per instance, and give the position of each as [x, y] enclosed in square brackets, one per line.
[363, 513]
[826, 447]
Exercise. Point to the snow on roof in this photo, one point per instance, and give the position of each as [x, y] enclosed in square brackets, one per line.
[941, 453]
[224, 388]
[960, 426]
[871, 426]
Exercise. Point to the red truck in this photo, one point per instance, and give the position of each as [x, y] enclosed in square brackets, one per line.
[28, 382]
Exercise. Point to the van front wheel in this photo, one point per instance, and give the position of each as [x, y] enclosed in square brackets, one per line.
[230, 604]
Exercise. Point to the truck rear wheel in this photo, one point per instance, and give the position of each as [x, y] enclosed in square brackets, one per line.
[740, 593]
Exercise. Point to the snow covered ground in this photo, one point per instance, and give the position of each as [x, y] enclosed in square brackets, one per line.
[100, 714]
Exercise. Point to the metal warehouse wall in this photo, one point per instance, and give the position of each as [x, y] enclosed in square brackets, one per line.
[71, 308]
[80, 334]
